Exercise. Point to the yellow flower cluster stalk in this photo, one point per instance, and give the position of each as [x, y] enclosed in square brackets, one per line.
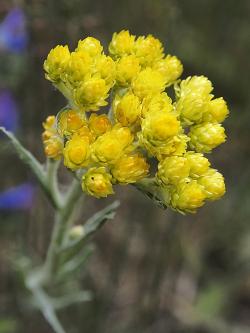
[143, 127]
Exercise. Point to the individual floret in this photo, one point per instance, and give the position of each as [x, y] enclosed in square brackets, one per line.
[90, 45]
[53, 144]
[122, 43]
[217, 111]
[148, 83]
[92, 94]
[109, 147]
[186, 197]
[194, 97]
[213, 184]
[127, 68]
[170, 67]
[158, 103]
[130, 169]
[198, 163]
[78, 67]
[56, 62]
[172, 170]
[159, 134]
[76, 152]
[104, 67]
[148, 50]
[97, 182]
[127, 109]
[69, 121]
[206, 136]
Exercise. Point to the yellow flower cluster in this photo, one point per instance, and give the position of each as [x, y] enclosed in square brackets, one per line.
[143, 126]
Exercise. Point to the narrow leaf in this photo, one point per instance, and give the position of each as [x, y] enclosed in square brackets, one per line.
[45, 304]
[98, 219]
[92, 224]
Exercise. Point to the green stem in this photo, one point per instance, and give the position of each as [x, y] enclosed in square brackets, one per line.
[62, 217]
[52, 181]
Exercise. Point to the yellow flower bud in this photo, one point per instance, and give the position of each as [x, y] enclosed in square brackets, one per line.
[161, 135]
[129, 169]
[194, 99]
[53, 147]
[56, 62]
[157, 103]
[122, 43]
[97, 182]
[78, 67]
[213, 184]
[127, 109]
[127, 67]
[106, 69]
[148, 50]
[159, 126]
[76, 232]
[170, 67]
[199, 164]
[90, 45]
[86, 133]
[217, 111]
[206, 136]
[187, 197]
[109, 147]
[91, 94]
[53, 144]
[148, 82]
[173, 169]
[69, 121]
[197, 84]
[50, 124]
[99, 124]
[76, 152]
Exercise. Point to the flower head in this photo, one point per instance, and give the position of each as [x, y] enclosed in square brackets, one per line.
[143, 137]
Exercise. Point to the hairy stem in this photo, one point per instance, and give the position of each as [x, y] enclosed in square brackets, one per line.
[62, 217]
[52, 181]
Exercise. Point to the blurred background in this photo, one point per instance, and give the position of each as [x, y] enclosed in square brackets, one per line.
[152, 270]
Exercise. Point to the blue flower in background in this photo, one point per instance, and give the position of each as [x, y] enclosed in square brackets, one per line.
[13, 33]
[8, 111]
[16, 198]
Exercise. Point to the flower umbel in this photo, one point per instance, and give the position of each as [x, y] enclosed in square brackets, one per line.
[142, 128]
